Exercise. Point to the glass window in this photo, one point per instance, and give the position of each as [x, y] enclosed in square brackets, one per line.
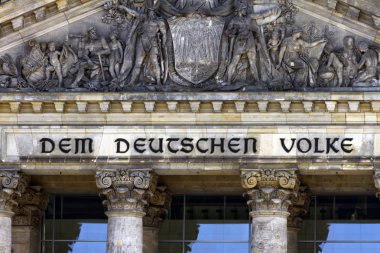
[342, 224]
[172, 227]
[211, 224]
[199, 247]
[69, 226]
[329, 247]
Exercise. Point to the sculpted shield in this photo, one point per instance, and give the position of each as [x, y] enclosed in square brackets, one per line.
[196, 42]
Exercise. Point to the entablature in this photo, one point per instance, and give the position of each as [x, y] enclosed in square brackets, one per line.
[303, 108]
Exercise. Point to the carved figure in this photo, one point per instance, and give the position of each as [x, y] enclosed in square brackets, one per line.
[54, 64]
[68, 59]
[274, 44]
[150, 46]
[91, 57]
[368, 62]
[242, 41]
[338, 67]
[350, 63]
[116, 56]
[298, 64]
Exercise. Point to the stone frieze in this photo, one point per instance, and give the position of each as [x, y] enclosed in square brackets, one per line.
[214, 45]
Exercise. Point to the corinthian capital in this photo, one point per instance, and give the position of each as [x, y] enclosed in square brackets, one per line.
[286, 179]
[31, 207]
[159, 204]
[125, 189]
[12, 184]
[299, 208]
[269, 190]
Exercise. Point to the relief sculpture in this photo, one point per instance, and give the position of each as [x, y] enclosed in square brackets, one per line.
[197, 45]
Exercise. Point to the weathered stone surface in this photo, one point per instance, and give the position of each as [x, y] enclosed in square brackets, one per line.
[5, 232]
[159, 204]
[125, 190]
[124, 232]
[269, 193]
[174, 65]
[26, 239]
[292, 239]
[150, 239]
[269, 233]
[30, 207]
[12, 184]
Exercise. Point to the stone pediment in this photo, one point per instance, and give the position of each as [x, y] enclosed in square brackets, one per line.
[179, 45]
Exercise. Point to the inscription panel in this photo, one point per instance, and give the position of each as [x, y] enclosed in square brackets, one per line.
[152, 142]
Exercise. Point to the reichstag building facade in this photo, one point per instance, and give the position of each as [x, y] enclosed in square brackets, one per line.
[189, 126]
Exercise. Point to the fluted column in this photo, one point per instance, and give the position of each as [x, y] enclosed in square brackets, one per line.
[159, 203]
[126, 192]
[300, 206]
[269, 192]
[26, 226]
[12, 184]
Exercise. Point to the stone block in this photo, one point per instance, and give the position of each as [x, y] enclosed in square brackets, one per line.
[40, 13]
[353, 12]
[18, 23]
[81, 106]
[104, 106]
[59, 106]
[285, 105]
[217, 106]
[37, 106]
[62, 4]
[307, 106]
[239, 106]
[127, 106]
[194, 106]
[14, 106]
[172, 106]
[149, 106]
[353, 106]
[263, 106]
[331, 106]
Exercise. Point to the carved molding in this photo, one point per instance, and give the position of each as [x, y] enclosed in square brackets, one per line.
[286, 179]
[125, 190]
[159, 204]
[31, 207]
[12, 184]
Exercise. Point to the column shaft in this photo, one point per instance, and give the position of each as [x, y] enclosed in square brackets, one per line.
[269, 233]
[150, 240]
[125, 234]
[5, 231]
[269, 193]
[12, 184]
[26, 239]
[126, 192]
[292, 240]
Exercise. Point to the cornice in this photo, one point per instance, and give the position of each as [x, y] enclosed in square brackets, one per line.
[61, 17]
[344, 21]
[300, 108]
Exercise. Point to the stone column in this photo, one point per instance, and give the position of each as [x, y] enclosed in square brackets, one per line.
[126, 192]
[269, 192]
[300, 206]
[26, 227]
[12, 184]
[155, 213]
